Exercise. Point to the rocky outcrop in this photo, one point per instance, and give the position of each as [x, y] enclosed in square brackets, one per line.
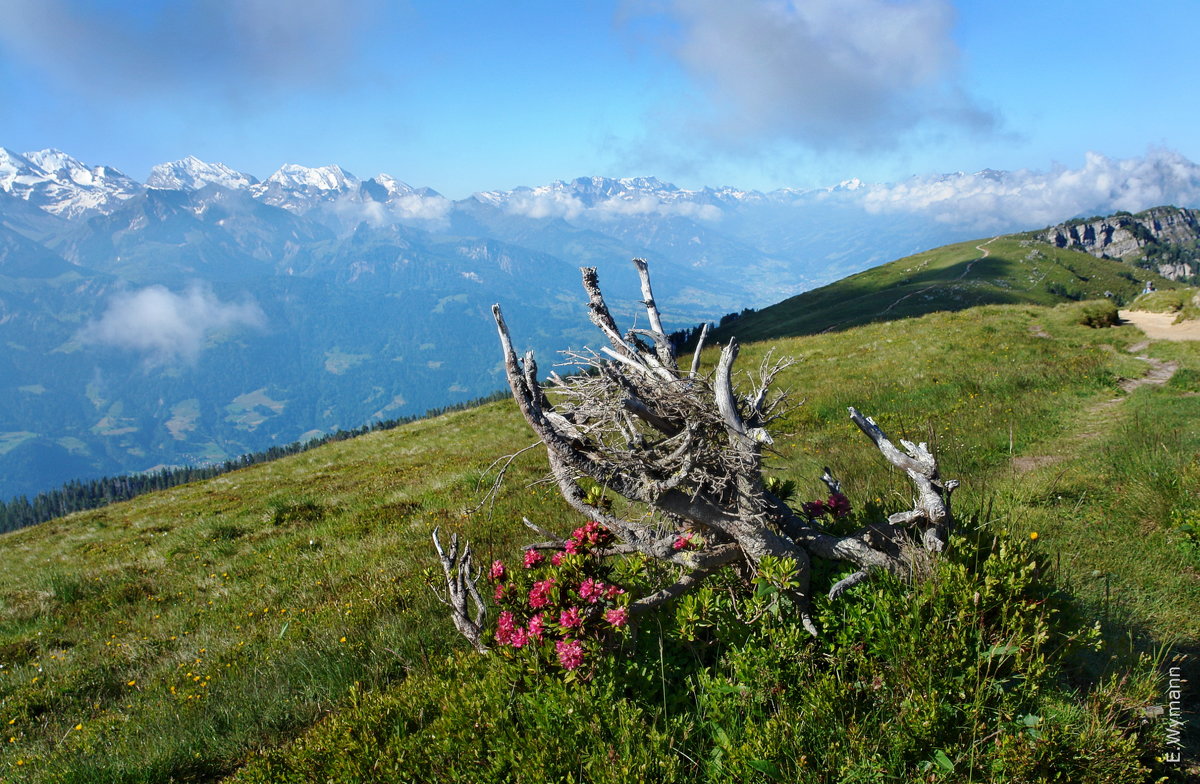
[1135, 238]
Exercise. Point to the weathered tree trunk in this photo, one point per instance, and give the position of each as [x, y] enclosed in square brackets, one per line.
[685, 451]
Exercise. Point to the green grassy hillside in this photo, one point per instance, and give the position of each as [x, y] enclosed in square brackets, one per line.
[275, 623]
[1004, 270]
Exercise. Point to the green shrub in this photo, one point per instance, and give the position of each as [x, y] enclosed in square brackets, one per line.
[1161, 301]
[1099, 314]
[959, 676]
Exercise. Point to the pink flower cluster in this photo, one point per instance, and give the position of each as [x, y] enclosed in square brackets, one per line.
[837, 505]
[570, 653]
[587, 536]
[683, 542]
[592, 591]
[560, 609]
[539, 594]
[617, 616]
[509, 633]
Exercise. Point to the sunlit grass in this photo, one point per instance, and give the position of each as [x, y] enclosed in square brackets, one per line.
[177, 634]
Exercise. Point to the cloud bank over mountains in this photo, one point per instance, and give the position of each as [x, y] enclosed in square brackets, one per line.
[986, 201]
[998, 201]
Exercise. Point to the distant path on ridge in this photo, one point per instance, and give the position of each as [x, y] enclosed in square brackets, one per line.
[982, 248]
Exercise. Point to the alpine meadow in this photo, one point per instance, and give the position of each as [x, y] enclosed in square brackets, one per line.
[281, 622]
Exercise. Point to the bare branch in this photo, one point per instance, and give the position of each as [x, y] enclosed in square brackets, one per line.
[833, 484]
[933, 495]
[696, 354]
[846, 583]
[648, 295]
[723, 389]
[463, 593]
[662, 346]
[490, 495]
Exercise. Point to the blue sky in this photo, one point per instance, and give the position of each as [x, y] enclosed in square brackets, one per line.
[475, 96]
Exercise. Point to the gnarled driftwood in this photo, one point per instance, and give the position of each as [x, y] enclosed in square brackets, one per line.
[684, 449]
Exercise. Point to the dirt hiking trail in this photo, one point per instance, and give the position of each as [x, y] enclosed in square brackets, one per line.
[1161, 326]
[1156, 326]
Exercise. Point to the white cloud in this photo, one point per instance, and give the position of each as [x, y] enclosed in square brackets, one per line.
[351, 209]
[645, 204]
[1007, 201]
[544, 204]
[128, 47]
[848, 74]
[554, 203]
[414, 206]
[166, 326]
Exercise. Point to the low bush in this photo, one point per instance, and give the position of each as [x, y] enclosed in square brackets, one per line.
[1099, 314]
[962, 675]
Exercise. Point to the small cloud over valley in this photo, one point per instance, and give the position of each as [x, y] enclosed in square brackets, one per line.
[167, 327]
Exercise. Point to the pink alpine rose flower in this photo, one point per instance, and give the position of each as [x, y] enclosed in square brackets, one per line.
[591, 590]
[557, 558]
[617, 616]
[533, 558]
[537, 627]
[570, 618]
[497, 572]
[504, 628]
[839, 505]
[539, 594]
[570, 653]
[519, 638]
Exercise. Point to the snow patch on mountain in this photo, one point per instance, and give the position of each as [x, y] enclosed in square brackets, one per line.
[62, 185]
[301, 188]
[191, 173]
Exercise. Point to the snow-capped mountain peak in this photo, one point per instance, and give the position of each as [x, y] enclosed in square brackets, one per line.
[17, 170]
[300, 188]
[393, 186]
[321, 178]
[60, 166]
[191, 173]
[62, 185]
[67, 170]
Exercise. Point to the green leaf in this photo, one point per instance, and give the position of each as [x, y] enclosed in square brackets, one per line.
[1001, 650]
[765, 766]
[944, 762]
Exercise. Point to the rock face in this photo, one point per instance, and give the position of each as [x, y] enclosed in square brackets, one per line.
[1138, 238]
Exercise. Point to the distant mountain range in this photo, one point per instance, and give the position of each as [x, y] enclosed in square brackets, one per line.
[204, 313]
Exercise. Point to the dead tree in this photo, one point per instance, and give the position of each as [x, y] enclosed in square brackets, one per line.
[684, 449]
